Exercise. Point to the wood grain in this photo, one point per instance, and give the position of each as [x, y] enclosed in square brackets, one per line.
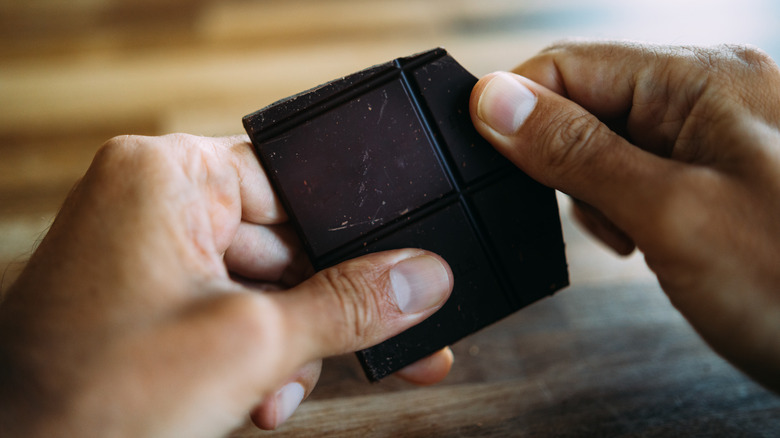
[568, 366]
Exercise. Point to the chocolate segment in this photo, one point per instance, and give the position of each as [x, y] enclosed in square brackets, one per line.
[387, 158]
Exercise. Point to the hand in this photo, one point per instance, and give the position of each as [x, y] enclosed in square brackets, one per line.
[673, 149]
[169, 298]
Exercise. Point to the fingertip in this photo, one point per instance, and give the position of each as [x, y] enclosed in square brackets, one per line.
[502, 102]
[279, 408]
[429, 370]
[264, 415]
[276, 409]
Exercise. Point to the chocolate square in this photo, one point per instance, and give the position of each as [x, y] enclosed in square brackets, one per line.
[387, 158]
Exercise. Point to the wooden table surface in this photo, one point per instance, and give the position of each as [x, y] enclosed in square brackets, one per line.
[608, 356]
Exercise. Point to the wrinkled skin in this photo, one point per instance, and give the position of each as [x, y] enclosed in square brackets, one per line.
[674, 150]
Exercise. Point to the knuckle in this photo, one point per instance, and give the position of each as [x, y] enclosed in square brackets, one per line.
[731, 59]
[114, 157]
[130, 166]
[117, 147]
[559, 46]
[352, 291]
[124, 151]
[126, 147]
[575, 137]
[750, 56]
[148, 155]
[577, 131]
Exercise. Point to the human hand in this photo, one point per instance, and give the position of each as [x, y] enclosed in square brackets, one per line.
[170, 298]
[673, 149]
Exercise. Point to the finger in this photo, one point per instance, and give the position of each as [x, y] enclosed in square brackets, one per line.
[429, 370]
[259, 203]
[659, 95]
[254, 341]
[649, 89]
[598, 76]
[279, 407]
[602, 228]
[565, 147]
[248, 343]
[362, 302]
[270, 253]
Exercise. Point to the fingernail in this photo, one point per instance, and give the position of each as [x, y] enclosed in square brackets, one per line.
[419, 283]
[287, 401]
[505, 103]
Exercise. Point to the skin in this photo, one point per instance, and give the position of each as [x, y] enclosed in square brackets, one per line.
[672, 150]
[171, 298]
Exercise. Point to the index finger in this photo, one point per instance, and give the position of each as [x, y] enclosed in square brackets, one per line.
[664, 99]
[649, 90]
[599, 76]
[259, 203]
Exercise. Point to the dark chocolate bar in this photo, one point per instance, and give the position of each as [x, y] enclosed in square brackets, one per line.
[388, 158]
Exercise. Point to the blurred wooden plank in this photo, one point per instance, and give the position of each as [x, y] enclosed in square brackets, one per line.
[44, 27]
[19, 236]
[67, 96]
[570, 407]
[576, 326]
[280, 23]
[48, 165]
[34, 28]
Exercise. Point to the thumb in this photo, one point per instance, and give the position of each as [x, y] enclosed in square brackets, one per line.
[364, 301]
[269, 336]
[561, 145]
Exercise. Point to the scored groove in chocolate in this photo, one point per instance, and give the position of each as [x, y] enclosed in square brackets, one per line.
[387, 158]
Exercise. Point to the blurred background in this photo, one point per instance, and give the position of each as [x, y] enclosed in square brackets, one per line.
[75, 73]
